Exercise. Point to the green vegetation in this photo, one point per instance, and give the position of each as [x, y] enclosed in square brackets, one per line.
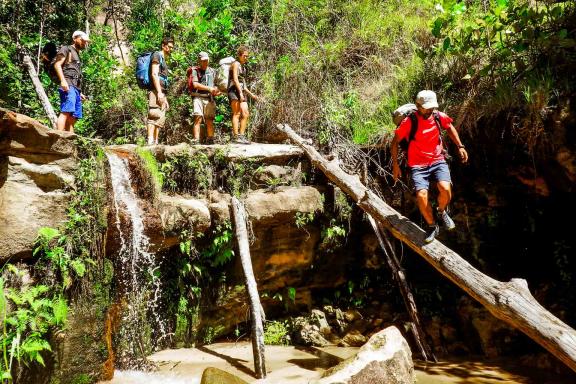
[66, 257]
[276, 333]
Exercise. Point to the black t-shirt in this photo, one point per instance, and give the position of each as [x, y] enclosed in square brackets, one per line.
[71, 67]
[158, 57]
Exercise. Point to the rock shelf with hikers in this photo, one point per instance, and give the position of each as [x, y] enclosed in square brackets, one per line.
[421, 130]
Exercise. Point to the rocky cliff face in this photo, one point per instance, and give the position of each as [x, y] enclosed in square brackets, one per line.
[36, 175]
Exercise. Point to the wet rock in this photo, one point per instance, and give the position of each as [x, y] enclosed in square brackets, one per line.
[217, 376]
[385, 358]
[305, 332]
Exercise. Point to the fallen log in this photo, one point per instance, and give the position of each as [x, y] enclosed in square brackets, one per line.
[510, 301]
[256, 310]
[409, 301]
[40, 90]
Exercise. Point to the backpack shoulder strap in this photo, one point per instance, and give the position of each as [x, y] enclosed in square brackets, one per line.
[413, 127]
[436, 115]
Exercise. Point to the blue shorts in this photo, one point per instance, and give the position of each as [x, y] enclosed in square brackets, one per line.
[70, 101]
[421, 176]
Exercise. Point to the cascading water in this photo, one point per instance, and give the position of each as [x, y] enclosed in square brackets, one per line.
[137, 272]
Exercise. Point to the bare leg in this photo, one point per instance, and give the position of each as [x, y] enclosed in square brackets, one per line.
[244, 117]
[70, 123]
[150, 129]
[62, 122]
[444, 194]
[235, 105]
[156, 132]
[196, 127]
[425, 206]
[209, 127]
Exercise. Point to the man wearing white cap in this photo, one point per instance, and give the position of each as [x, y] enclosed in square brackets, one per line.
[68, 69]
[426, 159]
[203, 91]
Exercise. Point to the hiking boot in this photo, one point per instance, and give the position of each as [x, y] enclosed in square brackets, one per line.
[431, 232]
[446, 220]
[209, 141]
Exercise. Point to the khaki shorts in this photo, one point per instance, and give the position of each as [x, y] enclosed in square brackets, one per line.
[204, 106]
[156, 113]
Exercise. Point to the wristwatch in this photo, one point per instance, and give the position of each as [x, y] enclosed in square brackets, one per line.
[461, 146]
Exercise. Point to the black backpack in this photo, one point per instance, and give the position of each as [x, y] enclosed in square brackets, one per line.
[48, 58]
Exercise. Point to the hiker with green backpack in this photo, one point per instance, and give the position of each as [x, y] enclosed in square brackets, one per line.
[152, 75]
[67, 70]
[420, 130]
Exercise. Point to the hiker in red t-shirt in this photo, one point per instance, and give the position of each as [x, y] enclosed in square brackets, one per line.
[426, 159]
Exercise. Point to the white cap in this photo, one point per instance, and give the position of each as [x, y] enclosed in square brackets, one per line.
[427, 99]
[81, 34]
[203, 56]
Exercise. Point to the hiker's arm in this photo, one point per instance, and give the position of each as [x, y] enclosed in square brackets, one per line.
[201, 87]
[58, 68]
[453, 133]
[252, 95]
[156, 82]
[396, 172]
[236, 81]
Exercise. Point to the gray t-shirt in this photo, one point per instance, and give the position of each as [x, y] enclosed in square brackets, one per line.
[72, 67]
[158, 57]
[203, 77]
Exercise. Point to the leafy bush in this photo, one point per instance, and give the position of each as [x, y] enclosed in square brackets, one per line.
[276, 333]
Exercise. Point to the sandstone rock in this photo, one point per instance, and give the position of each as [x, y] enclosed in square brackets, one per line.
[386, 358]
[217, 376]
[21, 135]
[36, 173]
[219, 206]
[179, 213]
[282, 205]
[354, 339]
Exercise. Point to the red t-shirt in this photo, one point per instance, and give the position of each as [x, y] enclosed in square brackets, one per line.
[425, 149]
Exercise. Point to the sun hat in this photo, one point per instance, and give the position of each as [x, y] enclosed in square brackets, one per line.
[427, 99]
[81, 34]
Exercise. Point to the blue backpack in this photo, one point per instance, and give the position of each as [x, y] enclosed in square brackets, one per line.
[143, 71]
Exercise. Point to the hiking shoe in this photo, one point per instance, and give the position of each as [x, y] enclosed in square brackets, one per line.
[446, 220]
[242, 139]
[431, 232]
[209, 141]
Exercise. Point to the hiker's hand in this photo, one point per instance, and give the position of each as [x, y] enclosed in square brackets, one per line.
[396, 172]
[215, 91]
[83, 97]
[161, 98]
[64, 85]
[463, 155]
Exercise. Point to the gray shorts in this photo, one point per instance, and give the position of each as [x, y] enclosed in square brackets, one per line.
[422, 176]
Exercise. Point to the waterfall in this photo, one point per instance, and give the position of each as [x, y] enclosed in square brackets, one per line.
[137, 272]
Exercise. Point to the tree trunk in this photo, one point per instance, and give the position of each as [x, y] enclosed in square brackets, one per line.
[509, 301]
[409, 301]
[256, 310]
[40, 90]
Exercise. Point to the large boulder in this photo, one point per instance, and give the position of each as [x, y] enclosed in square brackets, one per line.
[37, 167]
[179, 213]
[385, 358]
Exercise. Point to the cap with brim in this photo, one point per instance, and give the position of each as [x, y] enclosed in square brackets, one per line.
[427, 99]
[203, 56]
[81, 34]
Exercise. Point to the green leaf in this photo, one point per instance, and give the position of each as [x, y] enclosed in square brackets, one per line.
[48, 233]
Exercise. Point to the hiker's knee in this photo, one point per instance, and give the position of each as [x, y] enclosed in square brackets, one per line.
[444, 187]
[422, 194]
